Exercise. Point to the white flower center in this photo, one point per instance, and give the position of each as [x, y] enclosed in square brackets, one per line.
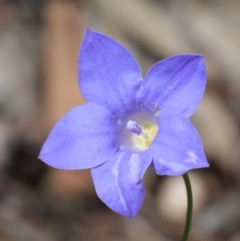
[139, 131]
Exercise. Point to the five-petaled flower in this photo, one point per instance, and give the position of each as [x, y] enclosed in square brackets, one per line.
[129, 123]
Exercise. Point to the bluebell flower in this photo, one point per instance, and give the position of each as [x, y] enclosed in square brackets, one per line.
[129, 123]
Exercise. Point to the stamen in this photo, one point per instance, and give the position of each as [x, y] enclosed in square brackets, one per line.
[134, 127]
[144, 140]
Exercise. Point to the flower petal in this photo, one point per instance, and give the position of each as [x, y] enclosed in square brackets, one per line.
[83, 138]
[177, 147]
[175, 85]
[118, 181]
[108, 73]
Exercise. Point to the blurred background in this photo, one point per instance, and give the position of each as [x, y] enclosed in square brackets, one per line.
[39, 44]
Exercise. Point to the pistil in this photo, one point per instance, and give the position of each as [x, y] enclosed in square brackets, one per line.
[134, 127]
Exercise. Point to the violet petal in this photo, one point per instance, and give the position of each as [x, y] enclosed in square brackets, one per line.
[118, 181]
[174, 85]
[83, 138]
[177, 147]
[108, 73]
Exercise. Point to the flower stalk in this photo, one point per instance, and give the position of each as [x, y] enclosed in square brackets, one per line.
[189, 207]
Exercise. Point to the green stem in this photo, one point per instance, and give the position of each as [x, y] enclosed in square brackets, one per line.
[189, 207]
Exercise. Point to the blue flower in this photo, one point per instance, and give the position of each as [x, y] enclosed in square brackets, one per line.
[129, 123]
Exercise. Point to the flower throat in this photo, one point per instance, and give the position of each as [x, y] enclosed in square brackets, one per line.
[139, 131]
